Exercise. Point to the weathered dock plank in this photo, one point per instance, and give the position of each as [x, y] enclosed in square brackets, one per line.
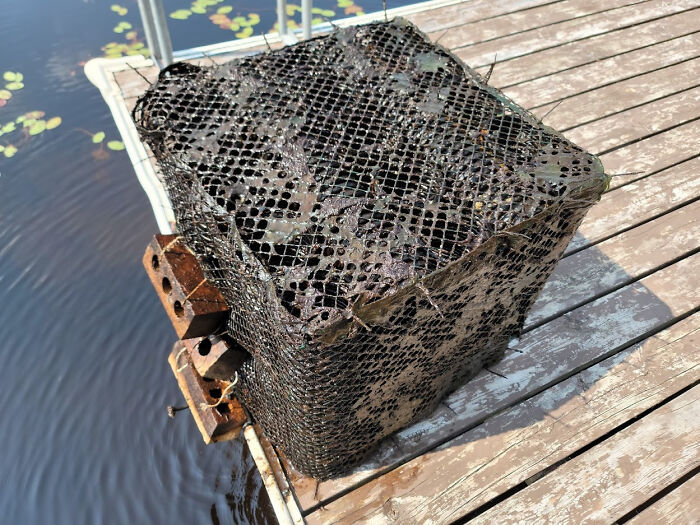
[580, 110]
[639, 201]
[570, 82]
[595, 271]
[549, 36]
[623, 128]
[471, 11]
[573, 54]
[616, 476]
[678, 506]
[515, 445]
[523, 21]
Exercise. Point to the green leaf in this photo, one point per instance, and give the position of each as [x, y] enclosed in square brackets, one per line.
[10, 151]
[38, 127]
[245, 32]
[181, 14]
[345, 3]
[1, 148]
[14, 86]
[9, 76]
[115, 145]
[5, 94]
[118, 29]
[8, 128]
[28, 122]
[224, 9]
[198, 9]
[254, 18]
[53, 122]
[19, 77]
[98, 137]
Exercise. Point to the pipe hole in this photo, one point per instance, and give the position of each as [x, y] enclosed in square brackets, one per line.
[204, 346]
[179, 310]
[166, 285]
[155, 262]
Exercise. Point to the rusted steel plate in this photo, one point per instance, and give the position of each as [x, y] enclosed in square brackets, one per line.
[214, 357]
[194, 306]
[216, 423]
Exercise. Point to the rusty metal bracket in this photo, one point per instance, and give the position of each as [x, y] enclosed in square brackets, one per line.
[215, 357]
[196, 308]
[216, 423]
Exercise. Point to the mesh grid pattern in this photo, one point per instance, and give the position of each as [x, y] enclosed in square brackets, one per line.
[378, 219]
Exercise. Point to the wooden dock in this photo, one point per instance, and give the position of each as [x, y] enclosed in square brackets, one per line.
[594, 415]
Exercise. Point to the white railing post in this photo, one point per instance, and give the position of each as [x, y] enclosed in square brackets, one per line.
[282, 17]
[155, 28]
[306, 19]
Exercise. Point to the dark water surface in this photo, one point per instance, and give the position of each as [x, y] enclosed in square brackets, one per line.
[84, 435]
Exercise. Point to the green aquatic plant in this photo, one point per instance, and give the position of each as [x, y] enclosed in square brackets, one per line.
[132, 46]
[13, 82]
[121, 27]
[350, 7]
[23, 127]
[198, 7]
[99, 138]
[120, 10]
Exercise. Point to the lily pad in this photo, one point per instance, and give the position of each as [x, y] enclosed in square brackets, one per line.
[5, 94]
[10, 151]
[345, 3]
[245, 32]
[53, 122]
[14, 86]
[38, 127]
[115, 145]
[224, 9]
[9, 76]
[98, 137]
[8, 128]
[198, 9]
[181, 14]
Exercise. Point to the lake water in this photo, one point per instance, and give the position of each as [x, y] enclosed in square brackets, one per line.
[84, 380]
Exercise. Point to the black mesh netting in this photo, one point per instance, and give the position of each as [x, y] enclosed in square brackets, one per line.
[378, 219]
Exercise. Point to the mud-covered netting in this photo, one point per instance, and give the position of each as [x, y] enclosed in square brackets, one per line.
[378, 219]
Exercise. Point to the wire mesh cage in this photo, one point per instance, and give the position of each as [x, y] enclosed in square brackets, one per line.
[377, 217]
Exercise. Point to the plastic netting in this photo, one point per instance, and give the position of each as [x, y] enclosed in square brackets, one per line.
[377, 217]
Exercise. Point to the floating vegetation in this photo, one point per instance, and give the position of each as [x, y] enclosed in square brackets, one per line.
[350, 7]
[23, 127]
[121, 27]
[243, 26]
[13, 81]
[198, 7]
[99, 138]
[120, 10]
[133, 45]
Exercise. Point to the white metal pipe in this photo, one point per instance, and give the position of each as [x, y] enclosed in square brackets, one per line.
[273, 491]
[148, 30]
[282, 16]
[162, 34]
[306, 19]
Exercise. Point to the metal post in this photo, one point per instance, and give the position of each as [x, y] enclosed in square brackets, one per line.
[147, 22]
[162, 34]
[306, 19]
[155, 27]
[282, 16]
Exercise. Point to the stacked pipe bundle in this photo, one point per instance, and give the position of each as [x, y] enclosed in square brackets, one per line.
[377, 218]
